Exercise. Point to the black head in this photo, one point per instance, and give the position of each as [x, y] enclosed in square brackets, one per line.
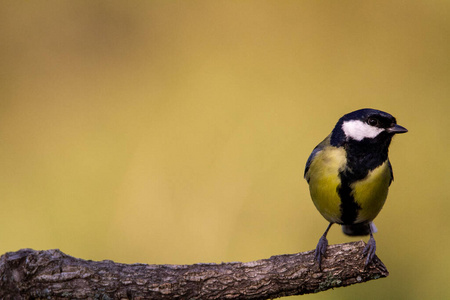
[366, 126]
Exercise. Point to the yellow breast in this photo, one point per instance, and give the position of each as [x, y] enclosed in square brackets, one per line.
[371, 192]
[323, 177]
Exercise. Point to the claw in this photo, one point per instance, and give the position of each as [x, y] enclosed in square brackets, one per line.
[369, 250]
[321, 249]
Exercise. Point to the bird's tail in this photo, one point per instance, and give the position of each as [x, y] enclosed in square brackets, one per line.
[359, 229]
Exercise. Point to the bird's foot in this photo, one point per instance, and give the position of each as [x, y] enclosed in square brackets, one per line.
[369, 250]
[321, 248]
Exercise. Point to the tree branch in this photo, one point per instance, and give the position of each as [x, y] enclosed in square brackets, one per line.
[51, 274]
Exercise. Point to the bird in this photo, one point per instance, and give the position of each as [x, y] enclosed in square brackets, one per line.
[349, 174]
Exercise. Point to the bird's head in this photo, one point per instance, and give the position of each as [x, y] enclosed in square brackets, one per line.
[365, 125]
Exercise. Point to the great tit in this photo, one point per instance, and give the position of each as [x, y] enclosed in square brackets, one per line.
[349, 174]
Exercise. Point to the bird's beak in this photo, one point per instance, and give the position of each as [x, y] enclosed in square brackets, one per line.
[397, 129]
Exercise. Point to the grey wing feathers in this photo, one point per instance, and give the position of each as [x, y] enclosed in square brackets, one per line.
[310, 158]
[392, 173]
[316, 150]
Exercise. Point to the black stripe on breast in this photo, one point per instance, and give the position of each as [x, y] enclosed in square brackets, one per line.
[349, 207]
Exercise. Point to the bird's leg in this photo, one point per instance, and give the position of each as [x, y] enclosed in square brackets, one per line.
[321, 247]
[370, 248]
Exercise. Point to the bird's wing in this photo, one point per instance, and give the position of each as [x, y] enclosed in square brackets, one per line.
[316, 150]
[392, 173]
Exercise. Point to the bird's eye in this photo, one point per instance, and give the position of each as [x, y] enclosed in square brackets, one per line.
[372, 121]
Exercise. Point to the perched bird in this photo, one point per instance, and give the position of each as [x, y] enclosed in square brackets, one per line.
[349, 174]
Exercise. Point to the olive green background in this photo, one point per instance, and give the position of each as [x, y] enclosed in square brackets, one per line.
[177, 131]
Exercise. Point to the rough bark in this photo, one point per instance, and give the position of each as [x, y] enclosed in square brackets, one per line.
[51, 274]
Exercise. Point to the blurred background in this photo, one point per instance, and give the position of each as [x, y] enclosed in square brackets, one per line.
[176, 132]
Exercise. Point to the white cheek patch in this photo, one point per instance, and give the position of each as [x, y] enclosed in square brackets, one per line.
[358, 130]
